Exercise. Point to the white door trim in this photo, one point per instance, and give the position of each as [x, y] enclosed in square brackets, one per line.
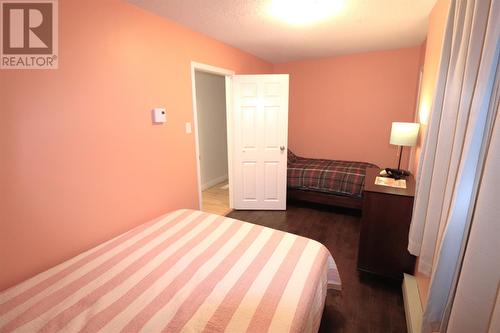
[196, 66]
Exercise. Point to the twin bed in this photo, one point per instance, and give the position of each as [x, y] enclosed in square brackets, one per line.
[331, 182]
[186, 271]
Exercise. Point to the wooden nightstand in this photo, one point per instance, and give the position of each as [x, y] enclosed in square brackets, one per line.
[384, 228]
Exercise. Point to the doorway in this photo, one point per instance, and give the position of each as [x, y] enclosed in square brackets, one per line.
[211, 133]
[256, 110]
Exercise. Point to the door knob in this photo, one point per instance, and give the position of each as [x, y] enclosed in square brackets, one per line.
[282, 148]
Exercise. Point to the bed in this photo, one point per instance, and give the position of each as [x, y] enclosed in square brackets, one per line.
[185, 271]
[331, 182]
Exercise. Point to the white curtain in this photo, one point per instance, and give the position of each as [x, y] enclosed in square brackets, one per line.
[476, 304]
[453, 152]
[434, 162]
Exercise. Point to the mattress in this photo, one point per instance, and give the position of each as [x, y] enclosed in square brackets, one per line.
[345, 178]
[186, 271]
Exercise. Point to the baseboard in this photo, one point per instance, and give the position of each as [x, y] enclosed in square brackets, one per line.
[413, 307]
[213, 182]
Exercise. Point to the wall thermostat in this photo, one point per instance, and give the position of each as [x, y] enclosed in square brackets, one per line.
[159, 115]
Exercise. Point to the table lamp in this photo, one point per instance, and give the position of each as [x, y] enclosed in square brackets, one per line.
[403, 134]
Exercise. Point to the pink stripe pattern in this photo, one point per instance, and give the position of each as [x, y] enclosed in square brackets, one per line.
[305, 301]
[184, 271]
[169, 292]
[221, 317]
[267, 306]
[100, 319]
[199, 295]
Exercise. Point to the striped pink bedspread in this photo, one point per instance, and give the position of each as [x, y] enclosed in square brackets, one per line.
[186, 271]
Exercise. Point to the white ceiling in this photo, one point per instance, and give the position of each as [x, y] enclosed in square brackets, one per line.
[360, 26]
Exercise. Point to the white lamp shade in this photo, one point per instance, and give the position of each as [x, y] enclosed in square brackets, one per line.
[404, 134]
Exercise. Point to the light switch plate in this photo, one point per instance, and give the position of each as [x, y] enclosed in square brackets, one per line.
[189, 130]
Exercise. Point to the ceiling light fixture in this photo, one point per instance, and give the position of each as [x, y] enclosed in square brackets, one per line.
[304, 12]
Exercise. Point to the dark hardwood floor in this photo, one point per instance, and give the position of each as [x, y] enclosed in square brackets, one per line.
[365, 304]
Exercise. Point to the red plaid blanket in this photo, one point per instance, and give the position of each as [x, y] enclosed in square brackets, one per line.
[329, 176]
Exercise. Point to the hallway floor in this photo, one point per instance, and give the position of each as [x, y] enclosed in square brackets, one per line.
[216, 199]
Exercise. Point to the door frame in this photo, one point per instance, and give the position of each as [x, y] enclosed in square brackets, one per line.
[227, 74]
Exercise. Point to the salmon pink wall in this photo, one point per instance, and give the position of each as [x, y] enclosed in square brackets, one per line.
[80, 159]
[342, 107]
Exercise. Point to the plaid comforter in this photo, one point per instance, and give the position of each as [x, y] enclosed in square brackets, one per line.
[329, 176]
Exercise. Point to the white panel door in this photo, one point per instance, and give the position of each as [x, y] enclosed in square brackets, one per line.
[260, 131]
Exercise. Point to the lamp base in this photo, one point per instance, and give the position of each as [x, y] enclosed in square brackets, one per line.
[396, 173]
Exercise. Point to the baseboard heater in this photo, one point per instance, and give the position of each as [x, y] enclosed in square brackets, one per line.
[413, 307]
